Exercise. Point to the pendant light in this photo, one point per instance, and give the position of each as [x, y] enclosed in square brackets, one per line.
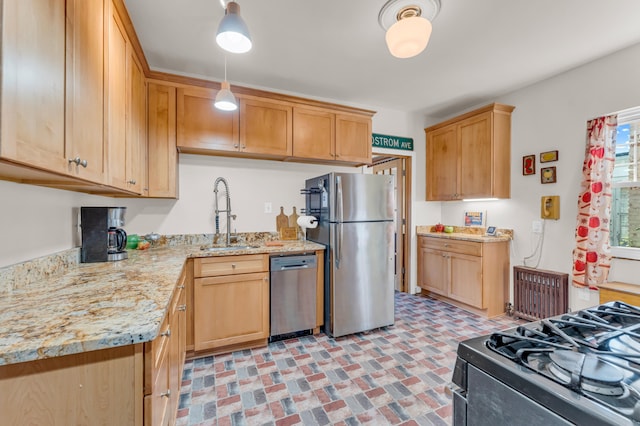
[225, 100]
[233, 34]
[408, 25]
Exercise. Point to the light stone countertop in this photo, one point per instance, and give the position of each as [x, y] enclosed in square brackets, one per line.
[101, 305]
[466, 234]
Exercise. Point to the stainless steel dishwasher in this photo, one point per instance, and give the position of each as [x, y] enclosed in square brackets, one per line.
[293, 294]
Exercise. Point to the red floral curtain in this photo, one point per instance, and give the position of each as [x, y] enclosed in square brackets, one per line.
[592, 255]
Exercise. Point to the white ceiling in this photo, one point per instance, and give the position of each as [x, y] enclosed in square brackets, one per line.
[335, 49]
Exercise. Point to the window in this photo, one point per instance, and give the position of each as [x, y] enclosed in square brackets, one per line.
[625, 207]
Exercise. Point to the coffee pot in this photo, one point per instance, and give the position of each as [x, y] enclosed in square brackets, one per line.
[103, 238]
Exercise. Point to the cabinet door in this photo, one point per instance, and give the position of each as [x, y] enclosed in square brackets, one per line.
[218, 319]
[465, 284]
[85, 88]
[314, 134]
[162, 154]
[266, 127]
[176, 349]
[116, 101]
[136, 154]
[442, 164]
[33, 83]
[353, 138]
[203, 127]
[433, 274]
[476, 157]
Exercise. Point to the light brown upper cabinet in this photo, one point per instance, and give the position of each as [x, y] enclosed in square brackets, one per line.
[259, 128]
[353, 138]
[136, 154]
[469, 156]
[266, 127]
[314, 134]
[202, 127]
[124, 118]
[85, 141]
[325, 135]
[162, 153]
[33, 84]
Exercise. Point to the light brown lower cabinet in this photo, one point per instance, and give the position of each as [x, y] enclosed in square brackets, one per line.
[471, 274]
[164, 362]
[231, 302]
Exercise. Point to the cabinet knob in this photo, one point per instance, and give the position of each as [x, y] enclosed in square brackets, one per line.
[235, 145]
[79, 161]
[182, 308]
[166, 333]
[446, 245]
[233, 265]
[244, 147]
[181, 287]
[166, 394]
[132, 181]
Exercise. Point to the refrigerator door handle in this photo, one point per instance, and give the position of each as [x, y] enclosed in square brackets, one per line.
[340, 214]
[338, 245]
[339, 201]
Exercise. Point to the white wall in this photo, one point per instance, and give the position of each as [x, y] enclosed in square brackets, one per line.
[552, 115]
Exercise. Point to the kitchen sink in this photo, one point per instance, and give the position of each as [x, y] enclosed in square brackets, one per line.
[226, 248]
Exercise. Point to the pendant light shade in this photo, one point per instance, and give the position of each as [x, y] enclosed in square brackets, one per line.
[408, 25]
[233, 34]
[225, 100]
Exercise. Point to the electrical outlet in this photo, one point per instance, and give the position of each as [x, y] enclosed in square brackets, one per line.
[267, 207]
[536, 226]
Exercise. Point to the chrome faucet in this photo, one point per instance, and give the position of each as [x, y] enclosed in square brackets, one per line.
[227, 210]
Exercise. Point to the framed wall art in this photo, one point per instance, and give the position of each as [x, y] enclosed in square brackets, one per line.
[546, 157]
[548, 175]
[529, 165]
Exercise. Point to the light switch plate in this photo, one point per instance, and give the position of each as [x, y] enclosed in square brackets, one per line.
[268, 207]
[536, 226]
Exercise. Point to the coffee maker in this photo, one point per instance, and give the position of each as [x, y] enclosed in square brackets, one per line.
[103, 238]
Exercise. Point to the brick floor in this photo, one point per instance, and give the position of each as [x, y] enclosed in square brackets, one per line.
[391, 376]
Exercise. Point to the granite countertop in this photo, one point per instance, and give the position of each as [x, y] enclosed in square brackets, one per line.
[101, 305]
[466, 234]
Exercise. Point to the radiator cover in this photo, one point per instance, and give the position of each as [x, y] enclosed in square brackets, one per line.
[539, 293]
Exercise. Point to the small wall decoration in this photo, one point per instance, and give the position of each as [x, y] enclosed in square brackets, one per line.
[548, 175]
[546, 157]
[529, 165]
[475, 218]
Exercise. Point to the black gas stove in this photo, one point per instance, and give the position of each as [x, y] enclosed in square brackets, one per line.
[580, 368]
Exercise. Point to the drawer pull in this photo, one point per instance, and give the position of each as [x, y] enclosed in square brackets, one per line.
[182, 308]
[166, 333]
[166, 394]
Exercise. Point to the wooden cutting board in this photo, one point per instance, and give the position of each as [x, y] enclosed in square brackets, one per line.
[293, 219]
[282, 221]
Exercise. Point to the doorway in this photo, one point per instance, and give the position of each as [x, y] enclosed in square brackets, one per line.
[400, 167]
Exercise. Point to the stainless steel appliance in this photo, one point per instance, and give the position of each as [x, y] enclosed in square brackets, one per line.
[355, 215]
[103, 238]
[293, 294]
[581, 368]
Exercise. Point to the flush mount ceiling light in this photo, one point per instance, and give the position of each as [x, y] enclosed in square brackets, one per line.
[408, 25]
[225, 100]
[233, 34]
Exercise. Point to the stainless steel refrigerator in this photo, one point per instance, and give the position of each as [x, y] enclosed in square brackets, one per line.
[355, 222]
